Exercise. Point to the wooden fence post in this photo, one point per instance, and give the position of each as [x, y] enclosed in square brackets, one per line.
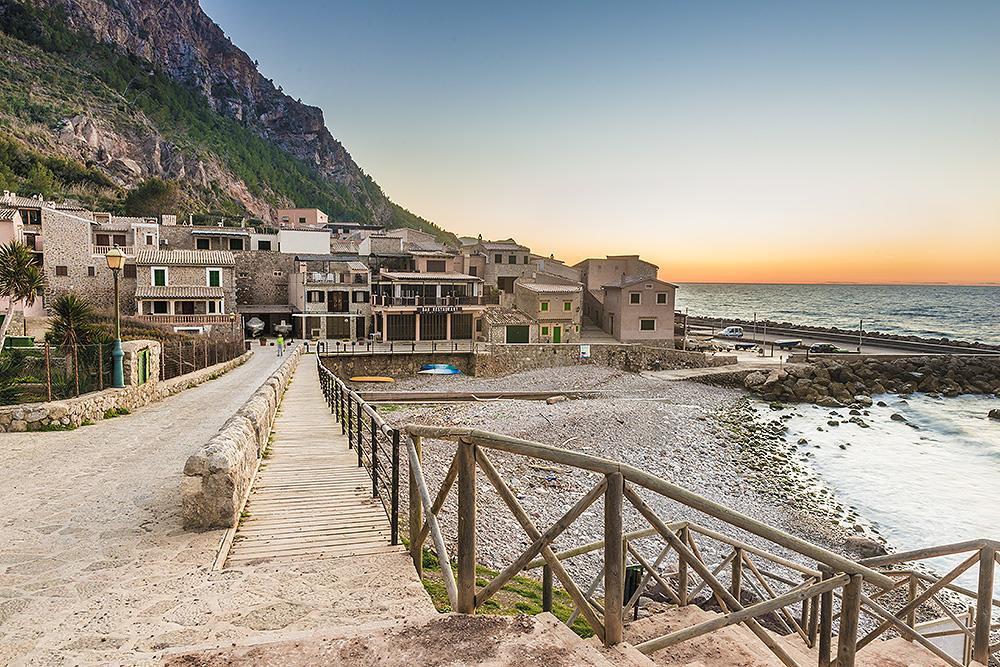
[416, 520]
[374, 458]
[682, 571]
[737, 584]
[546, 588]
[48, 372]
[984, 605]
[466, 528]
[825, 625]
[359, 436]
[394, 512]
[850, 613]
[614, 560]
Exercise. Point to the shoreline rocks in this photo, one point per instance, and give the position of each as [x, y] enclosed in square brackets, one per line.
[836, 383]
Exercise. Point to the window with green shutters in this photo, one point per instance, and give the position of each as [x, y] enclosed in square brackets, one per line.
[544, 306]
[160, 277]
[214, 278]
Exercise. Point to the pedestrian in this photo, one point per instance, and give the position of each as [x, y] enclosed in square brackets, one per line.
[281, 344]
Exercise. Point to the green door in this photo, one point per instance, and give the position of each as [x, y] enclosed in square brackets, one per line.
[143, 366]
[556, 334]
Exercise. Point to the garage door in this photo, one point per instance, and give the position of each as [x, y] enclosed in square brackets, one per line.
[517, 334]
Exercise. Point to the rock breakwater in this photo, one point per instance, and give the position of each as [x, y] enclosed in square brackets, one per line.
[838, 382]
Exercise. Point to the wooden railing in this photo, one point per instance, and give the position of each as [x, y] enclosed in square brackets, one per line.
[763, 588]
[375, 441]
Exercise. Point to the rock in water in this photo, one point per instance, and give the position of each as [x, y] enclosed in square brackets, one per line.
[994, 414]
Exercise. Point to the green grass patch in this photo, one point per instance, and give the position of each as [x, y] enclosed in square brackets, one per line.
[56, 426]
[521, 595]
[111, 413]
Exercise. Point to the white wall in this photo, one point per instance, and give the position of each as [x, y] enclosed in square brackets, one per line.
[301, 242]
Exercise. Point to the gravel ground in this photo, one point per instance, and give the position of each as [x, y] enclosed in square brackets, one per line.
[676, 430]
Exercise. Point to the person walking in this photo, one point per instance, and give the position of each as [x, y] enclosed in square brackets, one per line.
[281, 344]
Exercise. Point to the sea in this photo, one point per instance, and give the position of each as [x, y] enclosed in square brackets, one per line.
[931, 479]
[969, 313]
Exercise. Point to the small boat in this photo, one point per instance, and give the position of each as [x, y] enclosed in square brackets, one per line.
[371, 378]
[439, 369]
[788, 344]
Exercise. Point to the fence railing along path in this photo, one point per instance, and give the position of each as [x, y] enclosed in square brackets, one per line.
[310, 499]
[768, 589]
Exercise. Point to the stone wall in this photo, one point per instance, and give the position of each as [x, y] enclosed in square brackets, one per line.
[262, 277]
[92, 407]
[217, 478]
[394, 365]
[494, 360]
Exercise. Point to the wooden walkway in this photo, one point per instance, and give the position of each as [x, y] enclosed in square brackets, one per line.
[310, 499]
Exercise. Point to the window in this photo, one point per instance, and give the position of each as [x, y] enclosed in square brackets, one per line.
[435, 266]
[103, 239]
[525, 259]
[211, 307]
[263, 245]
[545, 331]
[91, 271]
[202, 244]
[150, 239]
[315, 296]
[214, 277]
[159, 277]
[360, 296]
[635, 298]
[512, 259]
[120, 240]
[279, 274]
[302, 221]
[543, 306]
[62, 271]
[567, 306]
[159, 307]
[236, 244]
[661, 298]
[129, 271]
[498, 259]
[647, 325]
[243, 274]
[472, 270]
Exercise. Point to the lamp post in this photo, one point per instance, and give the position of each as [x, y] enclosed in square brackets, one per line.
[116, 260]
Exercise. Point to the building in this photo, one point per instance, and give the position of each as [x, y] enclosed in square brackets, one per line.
[557, 307]
[598, 272]
[556, 267]
[503, 263]
[309, 217]
[507, 325]
[427, 306]
[190, 290]
[330, 297]
[639, 310]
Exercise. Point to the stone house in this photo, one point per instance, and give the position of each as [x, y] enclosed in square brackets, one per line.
[330, 297]
[639, 310]
[412, 306]
[507, 325]
[595, 273]
[309, 217]
[503, 263]
[557, 307]
[190, 290]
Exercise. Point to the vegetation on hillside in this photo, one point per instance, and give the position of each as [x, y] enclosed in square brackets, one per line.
[79, 73]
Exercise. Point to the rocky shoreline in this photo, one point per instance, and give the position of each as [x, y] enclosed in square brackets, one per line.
[839, 382]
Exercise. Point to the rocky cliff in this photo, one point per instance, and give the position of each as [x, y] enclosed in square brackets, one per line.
[160, 62]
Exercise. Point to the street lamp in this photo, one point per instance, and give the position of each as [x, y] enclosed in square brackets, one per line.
[116, 260]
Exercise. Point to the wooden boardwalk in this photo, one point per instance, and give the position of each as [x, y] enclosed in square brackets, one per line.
[310, 499]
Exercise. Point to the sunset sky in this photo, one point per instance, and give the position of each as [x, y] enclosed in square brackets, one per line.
[725, 141]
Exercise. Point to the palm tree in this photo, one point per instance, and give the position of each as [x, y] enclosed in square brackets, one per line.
[73, 322]
[20, 280]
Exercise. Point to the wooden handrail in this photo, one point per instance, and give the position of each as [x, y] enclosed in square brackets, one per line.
[651, 482]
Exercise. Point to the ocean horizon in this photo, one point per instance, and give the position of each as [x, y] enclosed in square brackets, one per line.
[959, 312]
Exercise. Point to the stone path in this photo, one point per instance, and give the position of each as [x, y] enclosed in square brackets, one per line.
[94, 565]
[310, 499]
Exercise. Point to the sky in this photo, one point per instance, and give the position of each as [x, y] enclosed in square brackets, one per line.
[724, 141]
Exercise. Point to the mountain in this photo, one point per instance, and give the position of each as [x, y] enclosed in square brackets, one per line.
[97, 96]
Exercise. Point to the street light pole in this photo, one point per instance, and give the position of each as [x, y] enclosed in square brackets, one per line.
[116, 260]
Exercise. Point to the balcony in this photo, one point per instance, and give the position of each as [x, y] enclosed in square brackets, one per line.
[185, 319]
[482, 300]
[103, 250]
[320, 278]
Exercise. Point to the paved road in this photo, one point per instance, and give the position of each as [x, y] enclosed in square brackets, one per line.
[94, 566]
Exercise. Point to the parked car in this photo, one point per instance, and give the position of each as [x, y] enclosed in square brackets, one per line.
[731, 332]
[824, 348]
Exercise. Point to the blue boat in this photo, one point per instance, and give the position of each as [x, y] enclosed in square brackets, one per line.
[439, 369]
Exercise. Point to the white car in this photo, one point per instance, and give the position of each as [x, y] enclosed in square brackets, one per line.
[731, 332]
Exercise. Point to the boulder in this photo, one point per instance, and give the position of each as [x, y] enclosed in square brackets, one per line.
[829, 402]
[994, 414]
[864, 401]
[755, 379]
[555, 399]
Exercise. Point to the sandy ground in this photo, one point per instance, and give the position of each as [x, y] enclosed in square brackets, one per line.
[94, 565]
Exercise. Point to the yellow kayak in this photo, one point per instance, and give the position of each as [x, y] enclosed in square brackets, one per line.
[371, 378]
